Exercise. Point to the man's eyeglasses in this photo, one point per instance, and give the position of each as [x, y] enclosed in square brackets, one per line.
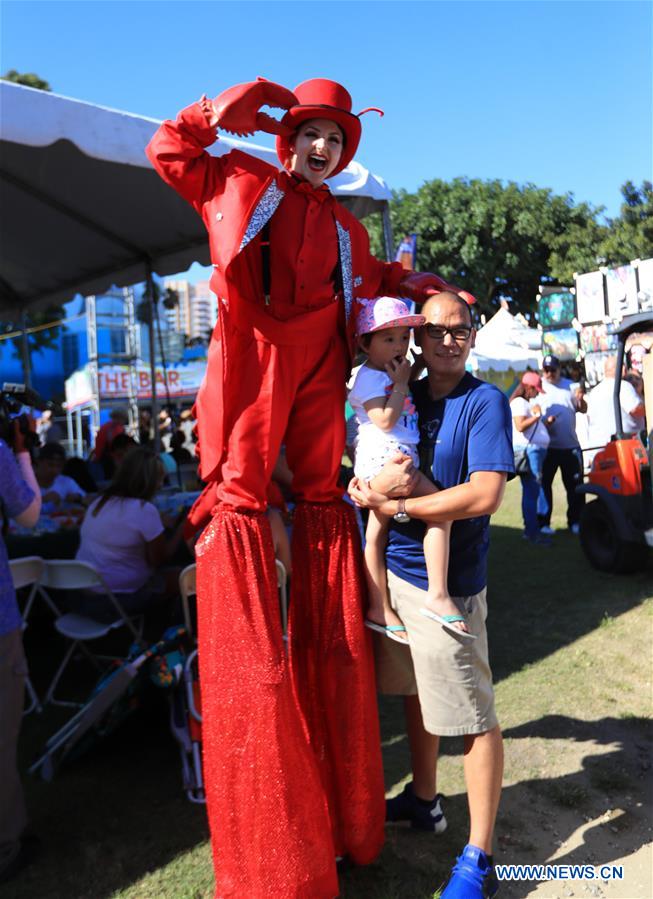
[438, 332]
[549, 369]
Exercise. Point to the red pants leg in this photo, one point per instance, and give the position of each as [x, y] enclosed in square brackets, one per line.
[333, 674]
[331, 655]
[269, 821]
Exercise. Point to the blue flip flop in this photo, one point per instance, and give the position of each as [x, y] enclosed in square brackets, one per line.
[388, 630]
[447, 623]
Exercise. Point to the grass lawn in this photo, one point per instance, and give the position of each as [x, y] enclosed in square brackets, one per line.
[571, 652]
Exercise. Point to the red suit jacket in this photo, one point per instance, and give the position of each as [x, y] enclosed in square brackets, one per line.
[236, 195]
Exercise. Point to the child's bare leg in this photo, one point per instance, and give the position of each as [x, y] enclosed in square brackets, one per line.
[376, 537]
[436, 554]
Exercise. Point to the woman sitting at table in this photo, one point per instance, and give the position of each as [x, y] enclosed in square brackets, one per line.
[123, 537]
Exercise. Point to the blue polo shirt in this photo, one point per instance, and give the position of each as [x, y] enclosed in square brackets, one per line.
[468, 430]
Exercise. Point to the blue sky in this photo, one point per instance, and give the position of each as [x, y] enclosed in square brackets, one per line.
[553, 93]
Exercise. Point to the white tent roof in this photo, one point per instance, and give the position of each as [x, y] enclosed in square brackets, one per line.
[506, 342]
[506, 329]
[82, 208]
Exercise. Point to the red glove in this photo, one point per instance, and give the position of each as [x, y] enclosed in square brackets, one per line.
[238, 107]
[419, 286]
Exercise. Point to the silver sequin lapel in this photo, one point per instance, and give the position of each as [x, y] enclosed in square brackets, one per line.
[265, 209]
[344, 242]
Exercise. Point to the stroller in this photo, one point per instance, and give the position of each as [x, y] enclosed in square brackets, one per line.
[186, 727]
[116, 696]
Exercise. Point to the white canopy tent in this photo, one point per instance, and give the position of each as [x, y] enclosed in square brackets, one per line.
[505, 347]
[506, 330]
[82, 208]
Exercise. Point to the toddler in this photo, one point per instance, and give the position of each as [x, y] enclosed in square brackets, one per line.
[387, 425]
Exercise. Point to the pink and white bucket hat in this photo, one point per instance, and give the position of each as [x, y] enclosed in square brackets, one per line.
[385, 312]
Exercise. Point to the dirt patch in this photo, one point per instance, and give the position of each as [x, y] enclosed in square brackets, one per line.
[578, 774]
[593, 809]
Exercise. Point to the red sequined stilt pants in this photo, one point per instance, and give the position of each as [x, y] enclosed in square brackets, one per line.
[333, 674]
[270, 829]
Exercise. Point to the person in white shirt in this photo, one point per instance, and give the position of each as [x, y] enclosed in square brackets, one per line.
[560, 402]
[530, 435]
[122, 534]
[600, 408]
[47, 428]
[56, 487]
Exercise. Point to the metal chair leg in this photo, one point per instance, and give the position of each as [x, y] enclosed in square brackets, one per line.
[34, 704]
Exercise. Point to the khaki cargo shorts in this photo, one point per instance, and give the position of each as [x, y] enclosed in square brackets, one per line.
[452, 678]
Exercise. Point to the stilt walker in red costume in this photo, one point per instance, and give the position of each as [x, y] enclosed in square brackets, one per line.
[291, 744]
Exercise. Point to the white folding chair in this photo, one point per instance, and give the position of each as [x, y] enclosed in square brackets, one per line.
[70, 575]
[25, 572]
[188, 589]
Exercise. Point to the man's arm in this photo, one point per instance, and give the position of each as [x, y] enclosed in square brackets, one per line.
[481, 495]
[579, 399]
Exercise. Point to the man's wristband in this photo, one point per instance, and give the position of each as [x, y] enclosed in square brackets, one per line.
[395, 389]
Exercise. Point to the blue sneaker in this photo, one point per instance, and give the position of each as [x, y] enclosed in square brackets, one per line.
[472, 877]
[419, 814]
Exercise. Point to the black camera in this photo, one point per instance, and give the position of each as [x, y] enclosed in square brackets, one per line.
[13, 397]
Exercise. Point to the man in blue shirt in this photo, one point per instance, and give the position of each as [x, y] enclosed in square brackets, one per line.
[466, 447]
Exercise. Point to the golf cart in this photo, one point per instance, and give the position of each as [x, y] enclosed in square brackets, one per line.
[616, 528]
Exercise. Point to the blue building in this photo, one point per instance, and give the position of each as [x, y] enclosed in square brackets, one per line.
[51, 367]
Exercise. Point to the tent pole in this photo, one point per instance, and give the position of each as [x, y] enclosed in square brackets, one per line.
[24, 345]
[150, 331]
[69, 430]
[387, 233]
[79, 441]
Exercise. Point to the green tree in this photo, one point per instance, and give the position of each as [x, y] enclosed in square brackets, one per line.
[579, 248]
[497, 239]
[29, 79]
[630, 236]
[491, 238]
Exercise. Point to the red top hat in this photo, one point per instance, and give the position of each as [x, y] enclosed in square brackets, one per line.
[319, 98]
